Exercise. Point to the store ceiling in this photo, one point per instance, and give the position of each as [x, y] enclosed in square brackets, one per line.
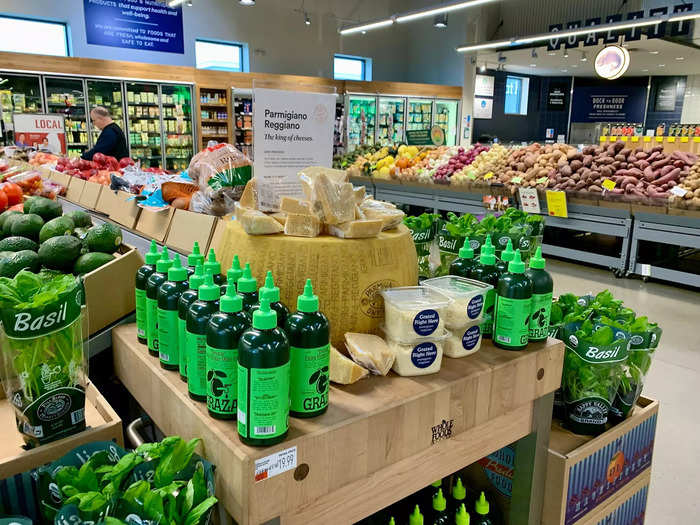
[647, 57]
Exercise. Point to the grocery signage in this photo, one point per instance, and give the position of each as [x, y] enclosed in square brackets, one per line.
[611, 62]
[556, 96]
[292, 130]
[434, 136]
[665, 99]
[483, 107]
[147, 25]
[609, 102]
[41, 131]
[483, 85]
[611, 37]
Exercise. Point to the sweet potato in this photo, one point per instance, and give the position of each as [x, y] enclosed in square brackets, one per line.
[606, 159]
[668, 169]
[587, 160]
[673, 175]
[649, 173]
[620, 157]
[642, 164]
[595, 188]
[641, 155]
[660, 163]
[576, 165]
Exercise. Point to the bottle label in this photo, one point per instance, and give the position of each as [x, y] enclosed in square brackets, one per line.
[182, 345]
[263, 401]
[221, 380]
[512, 321]
[141, 313]
[539, 315]
[487, 322]
[152, 324]
[309, 378]
[168, 337]
[196, 363]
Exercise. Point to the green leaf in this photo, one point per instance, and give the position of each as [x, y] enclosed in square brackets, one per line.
[197, 513]
[174, 461]
[153, 506]
[113, 521]
[136, 491]
[156, 450]
[122, 469]
[69, 491]
[87, 480]
[92, 502]
[66, 476]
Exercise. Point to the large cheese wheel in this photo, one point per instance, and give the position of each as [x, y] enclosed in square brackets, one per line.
[347, 274]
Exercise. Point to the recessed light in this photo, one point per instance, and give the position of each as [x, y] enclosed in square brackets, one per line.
[645, 70]
[680, 58]
[653, 52]
[246, 2]
[574, 65]
[564, 70]
[551, 53]
[662, 65]
[533, 65]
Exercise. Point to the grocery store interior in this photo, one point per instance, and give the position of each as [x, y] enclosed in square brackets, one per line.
[364, 261]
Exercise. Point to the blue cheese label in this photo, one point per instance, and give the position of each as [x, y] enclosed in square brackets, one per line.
[426, 322]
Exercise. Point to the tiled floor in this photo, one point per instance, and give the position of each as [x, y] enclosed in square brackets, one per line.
[674, 379]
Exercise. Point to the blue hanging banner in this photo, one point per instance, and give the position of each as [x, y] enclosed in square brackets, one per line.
[608, 101]
[146, 25]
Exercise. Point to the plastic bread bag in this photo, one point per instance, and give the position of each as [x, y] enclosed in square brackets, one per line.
[390, 215]
[221, 167]
[218, 203]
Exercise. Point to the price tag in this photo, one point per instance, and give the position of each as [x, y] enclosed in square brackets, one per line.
[603, 138]
[516, 180]
[659, 139]
[488, 175]
[624, 139]
[556, 203]
[609, 184]
[677, 190]
[671, 139]
[277, 463]
[471, 176]
[684, 139]
[541, 180]
[696, 139]
[529, 200]
[646, 139]
[634, 139]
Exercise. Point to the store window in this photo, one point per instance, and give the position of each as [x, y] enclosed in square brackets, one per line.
[517, 89]
[346, 67]
[23, 35]
[224, 56]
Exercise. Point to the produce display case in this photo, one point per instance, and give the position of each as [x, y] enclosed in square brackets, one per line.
[243, 120]
[362, 120]
[419, 114]
[447, 117]
[66, 96]
[176, 115]
[144, 124]
[108, 94]
[390, 120]
[214, 114]
[18, 94]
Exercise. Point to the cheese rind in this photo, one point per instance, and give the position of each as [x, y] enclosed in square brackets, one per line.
[280, 217]
[360, 229]
[255, 222]
[370, 351]
[249, 198]
[300, 225]
[337, 200]
[343, 370]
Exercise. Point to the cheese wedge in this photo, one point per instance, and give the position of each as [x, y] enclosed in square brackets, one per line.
[389, 214]
[370, 351]
[292, 205]
[249, 198]
[359, 193]
[345, 371]
[360, 229]
[337, 200]
[280, 217]
[337, 176]
[255, 222]
[302, 225]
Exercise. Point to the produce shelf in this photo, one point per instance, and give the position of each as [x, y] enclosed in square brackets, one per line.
[381, 439]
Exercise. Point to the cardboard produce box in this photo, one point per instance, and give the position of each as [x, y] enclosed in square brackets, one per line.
[155, 224]
[628, 507]
[90, 195]
[75, 190]
[103, 424]
[584, 473]
[186, 227]
[119, 206]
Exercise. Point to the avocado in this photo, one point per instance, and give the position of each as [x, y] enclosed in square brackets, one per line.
[46, 208]
[25, 259]
[28, 226]
[7, 223]
[91, 261]
[60, 253]
[28, 203]
[80, 218]
[104, 238]
[4, 215]
[6, 254]
[55, 227]
[16, 244]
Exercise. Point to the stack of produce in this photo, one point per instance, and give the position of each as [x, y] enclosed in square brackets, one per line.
[457, 163]
[486, 165]
[96, 170]
[687, 193]
[533, 165]
[423, 229]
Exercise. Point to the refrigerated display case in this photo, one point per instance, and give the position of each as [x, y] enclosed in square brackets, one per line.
[108, 94]
[446, 115]
[176, 107]
[419, 114]
[362, 113]
[18, 94]
[390, 120]
[143, 114]
[243, 122]
[66, 96]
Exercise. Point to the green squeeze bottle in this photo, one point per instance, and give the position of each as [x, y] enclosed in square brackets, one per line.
[276, 304]
[462, 516]
[416, 518]
[263, 380]
[465, 263]
[183, 305]
[506, 256]
[309, 339]
[248, 288]
[223, 332]
[168, 296]
[513, 299]
[482, 511]
[198, 316]
[211, 264]
[486, 272]
[152, 284]
[440, 515]
[459, 495]
[142, 275]
[194, 258]
[235, 272]
[541, 306]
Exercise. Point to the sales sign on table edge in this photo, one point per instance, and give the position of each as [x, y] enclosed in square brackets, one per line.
[556, 204]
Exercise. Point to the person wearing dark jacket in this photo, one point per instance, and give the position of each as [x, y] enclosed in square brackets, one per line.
[111, 141]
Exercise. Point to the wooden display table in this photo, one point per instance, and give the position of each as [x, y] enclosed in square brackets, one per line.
[381, 440]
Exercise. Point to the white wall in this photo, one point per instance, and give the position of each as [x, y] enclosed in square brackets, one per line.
[691, 101]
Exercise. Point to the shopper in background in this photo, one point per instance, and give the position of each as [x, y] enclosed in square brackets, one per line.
[111, 141]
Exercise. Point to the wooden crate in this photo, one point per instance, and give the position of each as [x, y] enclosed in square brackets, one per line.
[103, 424]
[382, 438]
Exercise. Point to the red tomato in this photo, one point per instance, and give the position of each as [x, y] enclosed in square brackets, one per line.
[13, 192]
[3, 201]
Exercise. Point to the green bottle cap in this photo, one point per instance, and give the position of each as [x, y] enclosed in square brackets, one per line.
[439, 501]
[437, 483]
[231, 302]
[516, 265]
[461, 516]
[307, 302]
[482, 506]
[458, 490]
[490, 248]
[247, 282]
[176, 272]
[196, 256]
[392, 521]
[270, 288]
[416, 518]
[212, 263]
[508, 254]
[264, 318]
[487, 255]
[152, 255]
[235, 272]
[466, 251]
[209, 291]
[537, 261]
[197, 278]
[164, 263]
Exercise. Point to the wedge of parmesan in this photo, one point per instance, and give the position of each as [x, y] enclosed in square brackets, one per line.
[359, 229]
[249, 198]
[280, 217]
[302, 225]
[370, 351]
[359, 193]
[389, 214]
[292, 205]
[337, 200]
[255, 222]
[337, 176]
[343, 370]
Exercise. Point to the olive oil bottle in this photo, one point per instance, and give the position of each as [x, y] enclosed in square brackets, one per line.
[183, 305]
[142, 275]
[168, 296]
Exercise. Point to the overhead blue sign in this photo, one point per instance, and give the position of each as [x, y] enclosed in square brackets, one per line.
[609, 102]
[134, 24]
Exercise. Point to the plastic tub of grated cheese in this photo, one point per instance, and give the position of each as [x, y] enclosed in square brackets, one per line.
[464, 341]
[418, 356]
[468, 297]
[412, 312]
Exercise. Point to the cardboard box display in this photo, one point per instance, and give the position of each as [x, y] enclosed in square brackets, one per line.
[90, 195]
[119, 206]
[103, 424]
[628, 507]
[218, 234]
[584, 472]
[75, 190]
[57, 176]
[186, 227]
[155, 224]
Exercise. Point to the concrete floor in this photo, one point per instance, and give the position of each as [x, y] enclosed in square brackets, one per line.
[674, 379]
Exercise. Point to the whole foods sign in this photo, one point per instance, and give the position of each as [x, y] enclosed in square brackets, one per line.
[611, 62]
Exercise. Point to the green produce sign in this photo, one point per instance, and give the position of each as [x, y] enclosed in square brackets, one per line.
[434, 136]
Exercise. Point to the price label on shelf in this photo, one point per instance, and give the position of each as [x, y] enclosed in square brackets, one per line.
[274, 464]
[659, 139]
[609, 184]
[488, 175]
[471, 176]
[541, 180]
[684, 139]
[516, 180]
[645, 270]
[529, 200]
[634, 139]
[623, 139]
[677, 190]
[603, 138]
[671, 140]
[556, 204]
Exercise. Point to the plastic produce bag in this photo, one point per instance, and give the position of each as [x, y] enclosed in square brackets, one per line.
[423, 229]
[44, 371]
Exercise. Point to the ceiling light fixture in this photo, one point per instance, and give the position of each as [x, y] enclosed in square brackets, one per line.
[551, 53]
[533, 65]
[563, 70]
[653, 52]
[424, 13]
[440, 20]
[566, 53]
[366, 27]
[680, 58]
[175, 3]
[307, 19]
[189, 3]
[246, 2]
[483, 67]
[662, 65]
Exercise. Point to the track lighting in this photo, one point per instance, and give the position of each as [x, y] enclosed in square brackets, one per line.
[440, 20]
[307, 19]
[246, 2]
